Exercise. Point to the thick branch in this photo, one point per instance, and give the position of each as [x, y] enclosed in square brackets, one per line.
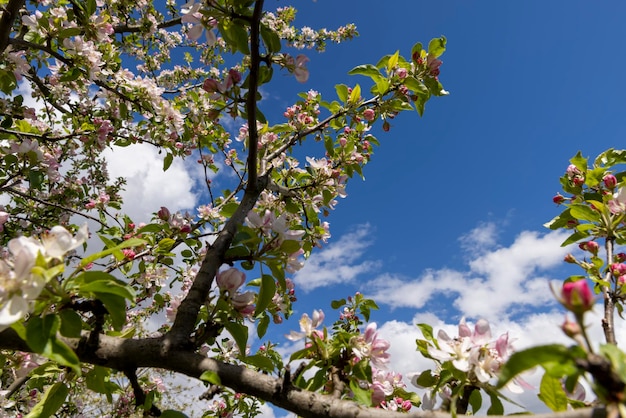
[124, 354]
[187, 313]
[9, 13]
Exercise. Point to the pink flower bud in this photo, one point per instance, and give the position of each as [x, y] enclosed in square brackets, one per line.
[401, 73]
[234, 75]
[164, 213]
[577, 296]
[570, 328]
[558, 199]
[618, 269]
[569, 258]
[369, 115]
[610, 181]
[230, 280]
[210, 85]
[590, 246]
[620, 257]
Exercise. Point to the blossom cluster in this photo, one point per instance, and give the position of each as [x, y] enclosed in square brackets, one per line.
[20, 285]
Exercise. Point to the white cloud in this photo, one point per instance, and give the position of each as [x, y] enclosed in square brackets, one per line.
[496, 283]
[148, 186]
[337, 263]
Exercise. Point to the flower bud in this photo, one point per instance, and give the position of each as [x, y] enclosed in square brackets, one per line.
[590, 246]
[210, 85]
[577, 296]
[620, 257]
[386, 126]
[569, 258]
[618, 269]
[369, 115]
[570, 328]
[558, 199]
[164, 213]
[610, 181]
[230, 280]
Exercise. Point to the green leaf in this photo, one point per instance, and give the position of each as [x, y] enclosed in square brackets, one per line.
[40, 330]
[552, 394]
[575, 237]
[211, 377]
[266, 293]
[116, 306]
[165, 245]
[50, 402]
[60, 352]
[270, 39]
[35, 179]
[260, 361]
[68, 33]
[239, 333]
[393, 61]
[368, 70]
[98, 282]
[261, 329]
[584, 213]
[617, 359]
[355, 95]
[133, 242]
[336, 304]
[496, 407]
[342, 92]
[427, 331]
[436, 47]
[167, 161]
[475, 400]
[536, 356]
[560, 221]
[426, 379]
[361, 396]
[71, 324]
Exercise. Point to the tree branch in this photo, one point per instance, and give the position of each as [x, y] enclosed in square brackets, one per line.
[10, 12]
[253, 85]
[127, 354]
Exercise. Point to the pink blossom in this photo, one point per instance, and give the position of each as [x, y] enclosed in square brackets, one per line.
[230, 280]
[300, 70]
[402, 72]
[370, 346]
[307, 326]
[618, 204]
[244, 303]
[4, 217]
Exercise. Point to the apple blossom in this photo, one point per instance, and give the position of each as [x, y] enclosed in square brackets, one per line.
[307, 326]
[230, 280]
[617, 205]
[300, 70]
[368, 345]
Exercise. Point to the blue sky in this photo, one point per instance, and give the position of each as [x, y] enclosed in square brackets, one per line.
[449, 220]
